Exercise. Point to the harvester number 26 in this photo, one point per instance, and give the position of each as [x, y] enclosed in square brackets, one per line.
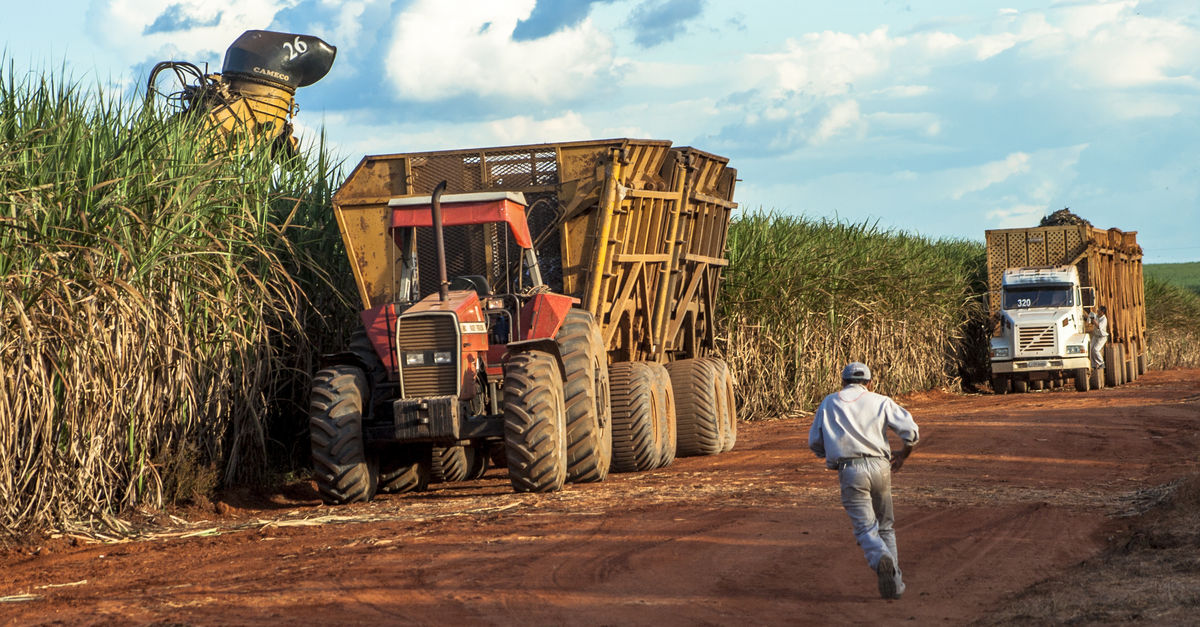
[295, 48]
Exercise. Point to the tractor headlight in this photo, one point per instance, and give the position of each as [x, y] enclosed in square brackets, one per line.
[1000, 351]
[1074, 349]
[414, 359]
[442, 357]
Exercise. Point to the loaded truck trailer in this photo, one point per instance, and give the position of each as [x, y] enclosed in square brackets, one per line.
[1044, 285]
[547, 307]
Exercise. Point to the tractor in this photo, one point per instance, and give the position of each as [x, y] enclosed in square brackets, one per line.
[489, 366]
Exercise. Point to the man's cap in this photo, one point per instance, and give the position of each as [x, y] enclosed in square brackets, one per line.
[856, 371]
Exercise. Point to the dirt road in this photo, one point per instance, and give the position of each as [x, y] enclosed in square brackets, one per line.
[1003, 492]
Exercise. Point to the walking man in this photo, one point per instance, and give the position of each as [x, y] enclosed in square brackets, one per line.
[850, 431]
[1099, 336]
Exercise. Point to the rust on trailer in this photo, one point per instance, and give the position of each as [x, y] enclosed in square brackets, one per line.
[636, 229]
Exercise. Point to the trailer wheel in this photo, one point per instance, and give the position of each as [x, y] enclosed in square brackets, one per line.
[1112, 376]
[1141, 363]
[1096, 380]
[667, 431]
[696, 409]
[1130, 369]
[450, 463]
[589, 415]
[1000, 384]
[726, 402]
[405, 469]
[1020, 386]
[1081, 380]
[342, 469]
[635, 417]
[535, 426]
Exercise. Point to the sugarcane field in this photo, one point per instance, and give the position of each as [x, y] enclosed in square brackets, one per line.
[390, 357]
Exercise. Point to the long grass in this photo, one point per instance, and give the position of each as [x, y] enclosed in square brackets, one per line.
[803, 297]
[1172, 325]
[156, 296]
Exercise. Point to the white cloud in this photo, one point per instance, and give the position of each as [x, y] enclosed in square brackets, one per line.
[447, 49]
[1013, 214]
[844, 116]
[205, 27]
[988, 174]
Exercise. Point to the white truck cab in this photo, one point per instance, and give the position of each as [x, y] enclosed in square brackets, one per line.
[1042, 336]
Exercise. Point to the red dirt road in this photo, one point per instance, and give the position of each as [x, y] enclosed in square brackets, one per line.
[1003, 492]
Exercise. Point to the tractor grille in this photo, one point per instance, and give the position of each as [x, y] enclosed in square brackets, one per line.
[1035, 339]
[429, 334]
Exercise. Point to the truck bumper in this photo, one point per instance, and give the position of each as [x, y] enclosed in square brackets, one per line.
[437, 419]
[1038, 368]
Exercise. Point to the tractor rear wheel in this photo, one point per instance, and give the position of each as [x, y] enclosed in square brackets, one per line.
[586, 398]
[697, 410]
[405, 469]
[1081, 380]
[535, 426]
[342, 469]
[635, 416]
[667, 432]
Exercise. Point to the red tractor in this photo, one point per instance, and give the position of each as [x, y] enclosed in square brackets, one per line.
[436, 385]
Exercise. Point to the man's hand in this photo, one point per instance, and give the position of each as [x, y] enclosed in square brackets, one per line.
[898, 457]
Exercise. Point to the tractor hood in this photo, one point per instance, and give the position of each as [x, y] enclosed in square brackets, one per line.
[281, 58]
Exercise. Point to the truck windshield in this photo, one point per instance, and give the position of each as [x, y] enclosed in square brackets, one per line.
[1025, 297]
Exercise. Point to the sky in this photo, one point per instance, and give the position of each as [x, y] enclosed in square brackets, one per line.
[939, 117]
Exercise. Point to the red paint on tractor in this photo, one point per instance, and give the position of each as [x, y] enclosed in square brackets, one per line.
[380, 323]
[460, 213]
[542, 316]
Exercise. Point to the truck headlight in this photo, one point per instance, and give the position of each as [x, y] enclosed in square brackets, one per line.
[1074, 349]
[414, 359]
[1000, 351]
[442, 357]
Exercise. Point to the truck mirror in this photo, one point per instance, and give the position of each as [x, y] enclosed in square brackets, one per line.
[1088, 295]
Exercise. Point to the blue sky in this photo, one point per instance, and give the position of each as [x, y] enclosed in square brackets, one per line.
[944, 118]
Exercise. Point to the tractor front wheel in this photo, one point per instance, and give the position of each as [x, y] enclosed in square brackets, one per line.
[343, 471]
[535, 428]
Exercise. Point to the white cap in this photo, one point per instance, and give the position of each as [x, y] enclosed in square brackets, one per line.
[856, 371]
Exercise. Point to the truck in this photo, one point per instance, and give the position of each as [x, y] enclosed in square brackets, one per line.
[550, 308]
[1044, 284]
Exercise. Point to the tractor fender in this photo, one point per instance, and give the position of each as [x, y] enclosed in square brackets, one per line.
[544, 344]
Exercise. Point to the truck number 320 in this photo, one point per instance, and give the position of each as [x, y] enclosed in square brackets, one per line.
[295, 48]
[1024, 302]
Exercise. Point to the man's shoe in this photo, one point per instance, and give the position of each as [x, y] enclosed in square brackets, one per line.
[886, 569]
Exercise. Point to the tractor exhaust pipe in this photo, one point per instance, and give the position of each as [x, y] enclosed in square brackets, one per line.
[440, 243]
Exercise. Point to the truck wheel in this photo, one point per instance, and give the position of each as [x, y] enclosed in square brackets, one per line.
[1000, 384]
[589, 415]
[450, 463]
[1037, 384]
[535, 425]
[405, 469]
[635, 417]
[341, 467]
[1020, 386]
[726, 401]
[667, 431]
[1081, 380]
[698, 418]
[1096, 379]
[1112, 376]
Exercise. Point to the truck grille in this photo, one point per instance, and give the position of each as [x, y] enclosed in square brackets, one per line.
[428, 334]
[1035, 339]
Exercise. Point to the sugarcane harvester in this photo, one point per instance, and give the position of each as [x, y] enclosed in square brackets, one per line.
[547, 308]
[252, 99]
